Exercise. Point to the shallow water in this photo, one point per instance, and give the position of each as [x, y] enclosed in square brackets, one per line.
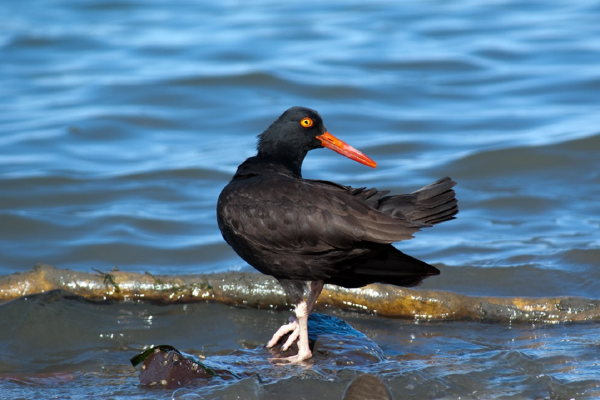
[90, 359]
[120, 122]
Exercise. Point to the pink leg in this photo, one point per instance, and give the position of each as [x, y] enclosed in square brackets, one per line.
[300, 332]
[315, 290]
[298, 326]
[304, 352]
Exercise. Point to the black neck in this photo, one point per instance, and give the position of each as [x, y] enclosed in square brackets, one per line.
[259, 165]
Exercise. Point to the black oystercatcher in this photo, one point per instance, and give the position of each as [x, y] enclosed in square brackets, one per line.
[301, 230]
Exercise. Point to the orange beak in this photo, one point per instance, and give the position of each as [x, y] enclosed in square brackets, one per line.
[335, 144]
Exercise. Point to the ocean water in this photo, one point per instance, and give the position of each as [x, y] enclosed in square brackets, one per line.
[122, 120]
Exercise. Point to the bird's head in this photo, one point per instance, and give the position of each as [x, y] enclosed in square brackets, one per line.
[299, 130]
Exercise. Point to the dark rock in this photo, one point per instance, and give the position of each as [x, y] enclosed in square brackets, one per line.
[335, 341]
[367, 387]
[171, 369]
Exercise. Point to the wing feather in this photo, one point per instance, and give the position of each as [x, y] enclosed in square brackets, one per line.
[308, 216]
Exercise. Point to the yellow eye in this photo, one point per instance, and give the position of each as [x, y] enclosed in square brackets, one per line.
[306, 122]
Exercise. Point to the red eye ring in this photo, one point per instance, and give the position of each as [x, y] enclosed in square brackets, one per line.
[306, 122]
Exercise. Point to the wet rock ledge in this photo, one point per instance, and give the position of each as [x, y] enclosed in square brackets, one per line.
[260, 291]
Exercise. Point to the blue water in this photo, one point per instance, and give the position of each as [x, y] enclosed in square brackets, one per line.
[121, 121]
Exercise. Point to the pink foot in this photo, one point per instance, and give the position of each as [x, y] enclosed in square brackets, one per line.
[281, 332]
[299, 330]
[298, 358]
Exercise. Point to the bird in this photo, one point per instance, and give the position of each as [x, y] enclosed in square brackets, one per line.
[308, 232]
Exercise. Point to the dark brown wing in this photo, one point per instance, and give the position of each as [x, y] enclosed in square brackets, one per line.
[278, 213]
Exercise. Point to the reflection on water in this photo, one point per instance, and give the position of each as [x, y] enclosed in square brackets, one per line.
[122, 121]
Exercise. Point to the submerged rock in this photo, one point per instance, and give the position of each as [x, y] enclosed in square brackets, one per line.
[334, 343]
[367, 387]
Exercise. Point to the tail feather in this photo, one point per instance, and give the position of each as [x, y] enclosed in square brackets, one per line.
[445, 215]
[389, 266]
[429, 205]
[435, 188]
